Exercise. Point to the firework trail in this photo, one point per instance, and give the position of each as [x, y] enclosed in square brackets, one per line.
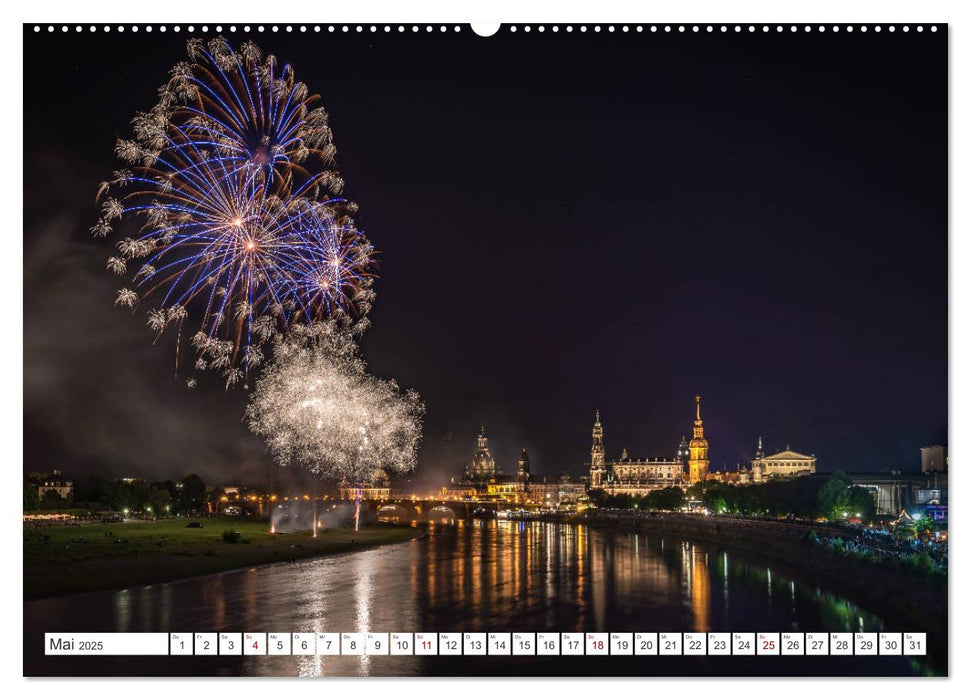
[240, 225]
[318, 409]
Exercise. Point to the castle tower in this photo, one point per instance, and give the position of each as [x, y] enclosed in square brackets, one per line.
[698, 449]
[597, 468]
[523, 473]
[758, 464]
[683, 454]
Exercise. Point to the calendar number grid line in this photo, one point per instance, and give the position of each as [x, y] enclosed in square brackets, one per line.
[487, 644]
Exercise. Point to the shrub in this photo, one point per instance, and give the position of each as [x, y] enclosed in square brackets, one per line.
[918, 563]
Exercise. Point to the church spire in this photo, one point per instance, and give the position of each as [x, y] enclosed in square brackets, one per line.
[698, 448]
[699, 431]
[597, 463]
[524, 467]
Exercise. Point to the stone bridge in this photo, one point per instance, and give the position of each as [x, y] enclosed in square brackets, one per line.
[428, 510]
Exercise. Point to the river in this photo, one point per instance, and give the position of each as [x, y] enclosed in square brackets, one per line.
[477, 576]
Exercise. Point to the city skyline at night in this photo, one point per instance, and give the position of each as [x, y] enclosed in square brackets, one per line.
[745, 223]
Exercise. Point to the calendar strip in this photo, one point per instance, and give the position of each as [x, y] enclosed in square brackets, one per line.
[487, 644]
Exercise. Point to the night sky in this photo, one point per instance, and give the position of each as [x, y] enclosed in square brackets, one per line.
[566, 222]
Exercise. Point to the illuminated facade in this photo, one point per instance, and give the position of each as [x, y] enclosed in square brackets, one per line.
[629, 476]
[56, 483]
[787, 463]
[698, 449]
[598, 467]
[523, 472]
[482, 481]
[377, 488]
[483, 466]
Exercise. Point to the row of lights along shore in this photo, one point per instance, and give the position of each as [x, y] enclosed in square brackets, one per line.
[513, 28]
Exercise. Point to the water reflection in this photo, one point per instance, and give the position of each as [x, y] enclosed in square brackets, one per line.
[478, 576]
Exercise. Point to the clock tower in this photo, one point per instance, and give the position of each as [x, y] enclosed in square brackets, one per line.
[698, 449]
[597, 467]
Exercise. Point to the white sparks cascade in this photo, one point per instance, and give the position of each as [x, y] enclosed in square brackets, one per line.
[319, 409]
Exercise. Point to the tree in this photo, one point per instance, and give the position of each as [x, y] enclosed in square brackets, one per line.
[191, 493]
[138, 496]
[833, 499]
[159, 499]
[670, 498]
[51, 499]
[89, 490]
[31, 496]
[860, 500]
[598, 497]
[213, 497]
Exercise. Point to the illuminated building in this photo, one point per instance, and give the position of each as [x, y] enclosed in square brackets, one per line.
[483, 466]
[629, 476]
[523, 472]
[698, 449]
[933, 459]
[683, 454]
[598, 468]
[483, 481]
[56, 483]
[377, 488]
[787, 463]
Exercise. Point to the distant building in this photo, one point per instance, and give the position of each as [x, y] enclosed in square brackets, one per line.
[484, 481]
[740, 475]
[483, 466]
[598, 466]
[523, 472]
[56, 483]
[635, 477]
[787, 463]
[933, 459]
[683, 454]
[554, 492]
[894, 491]
[377, 488]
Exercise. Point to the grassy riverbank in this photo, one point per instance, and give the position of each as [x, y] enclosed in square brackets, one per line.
[63, 559]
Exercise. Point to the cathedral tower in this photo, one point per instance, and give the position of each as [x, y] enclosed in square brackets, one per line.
[698, 449]
[483, 465]
[524, 467]
[597, 467]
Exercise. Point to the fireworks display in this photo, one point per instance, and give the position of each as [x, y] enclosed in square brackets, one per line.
[318, 408]
[240, 227]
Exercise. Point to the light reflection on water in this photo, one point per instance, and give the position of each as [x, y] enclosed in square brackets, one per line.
[477, 576]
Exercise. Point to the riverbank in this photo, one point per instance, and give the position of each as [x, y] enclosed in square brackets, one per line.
[64, 559]
[901, 597]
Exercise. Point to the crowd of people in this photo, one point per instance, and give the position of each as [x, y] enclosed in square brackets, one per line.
[868, 542]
